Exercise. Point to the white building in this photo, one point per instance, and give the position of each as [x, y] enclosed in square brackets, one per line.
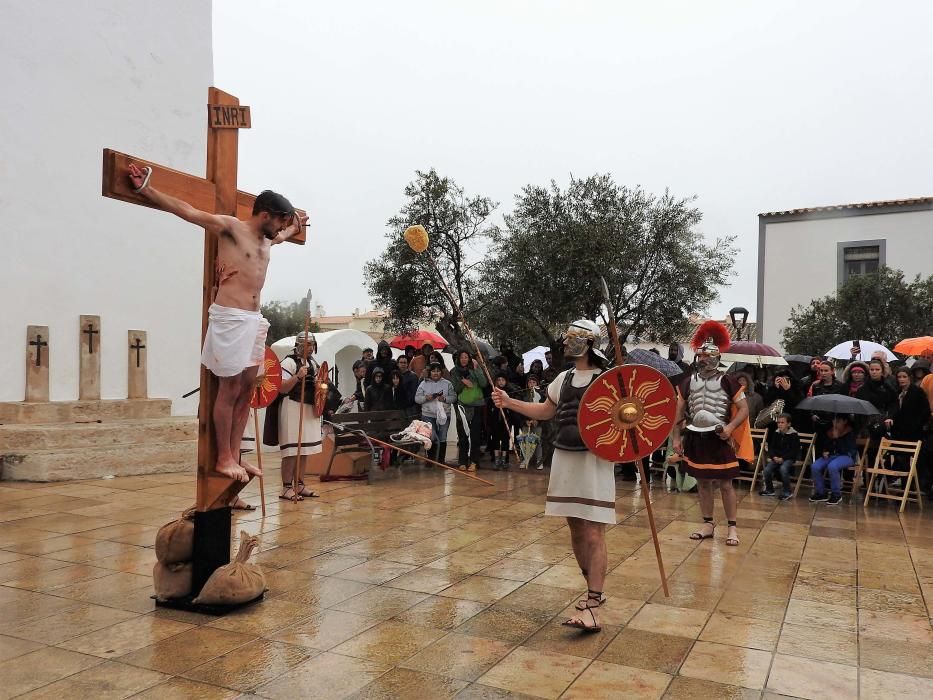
[79, 77]
[805, 254]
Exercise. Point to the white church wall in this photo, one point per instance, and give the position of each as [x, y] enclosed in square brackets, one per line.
[80, 77]
[801, 258]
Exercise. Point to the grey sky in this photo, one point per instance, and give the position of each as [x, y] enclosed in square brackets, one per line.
[750, 106]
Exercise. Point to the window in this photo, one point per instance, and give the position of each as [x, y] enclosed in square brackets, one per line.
[859, 258]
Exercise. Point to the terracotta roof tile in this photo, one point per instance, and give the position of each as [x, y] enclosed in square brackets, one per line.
[859, 205]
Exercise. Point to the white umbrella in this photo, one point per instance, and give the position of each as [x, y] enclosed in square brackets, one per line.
[843, 351]
[536, 353]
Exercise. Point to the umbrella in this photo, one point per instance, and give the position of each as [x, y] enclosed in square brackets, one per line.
[536, 353]
[748, 347]
[800, 359]
[915, 346]
[843, 351]
[663, 365]
[753, 353]
[837, 403]
[528, 443]
[418, 338]
[484, 347]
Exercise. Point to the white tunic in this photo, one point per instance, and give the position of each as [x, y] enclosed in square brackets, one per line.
[288, 422]
[581, 485]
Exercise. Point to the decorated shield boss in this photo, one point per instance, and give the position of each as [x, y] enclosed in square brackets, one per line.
[627, 413]
[268, 382]
[320, 389]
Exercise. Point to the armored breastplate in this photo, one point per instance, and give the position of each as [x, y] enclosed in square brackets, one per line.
[707, 404]
[309, 381]
[568, 430]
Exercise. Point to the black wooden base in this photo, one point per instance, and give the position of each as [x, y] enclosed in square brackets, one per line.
[217, 610]
[211, 545]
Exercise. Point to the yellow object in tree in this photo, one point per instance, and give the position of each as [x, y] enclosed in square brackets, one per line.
[417, 238]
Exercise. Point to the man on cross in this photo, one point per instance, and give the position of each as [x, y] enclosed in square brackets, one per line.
[236, 335]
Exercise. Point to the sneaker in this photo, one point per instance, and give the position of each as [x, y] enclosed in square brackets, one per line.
[834, 499]
[541, 466]
[472, 467]
[785, 497]
[462, 467]
[818, 498]
[766, 492]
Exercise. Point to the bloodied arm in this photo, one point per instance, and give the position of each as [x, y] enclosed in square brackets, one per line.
[214, 223]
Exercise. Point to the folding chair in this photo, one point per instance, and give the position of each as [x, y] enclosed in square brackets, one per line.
[909, 448]
[761, 435]
[863, 443]
[808, 445]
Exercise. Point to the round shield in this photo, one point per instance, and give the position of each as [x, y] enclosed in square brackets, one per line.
[627, 413]
[268, 381]
[320, 389]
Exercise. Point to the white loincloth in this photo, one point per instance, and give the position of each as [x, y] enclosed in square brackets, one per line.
[235, 340]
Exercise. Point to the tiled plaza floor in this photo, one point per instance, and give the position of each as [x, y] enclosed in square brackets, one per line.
[433, 586]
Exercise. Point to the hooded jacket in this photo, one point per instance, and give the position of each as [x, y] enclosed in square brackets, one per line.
[383, 359]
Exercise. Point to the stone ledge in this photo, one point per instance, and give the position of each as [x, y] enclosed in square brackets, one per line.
[59, 436]
[26, 413]
[97, 462]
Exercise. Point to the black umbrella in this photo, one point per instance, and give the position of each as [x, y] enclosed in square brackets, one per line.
[644, 357]
[837, 403]
[802, 359]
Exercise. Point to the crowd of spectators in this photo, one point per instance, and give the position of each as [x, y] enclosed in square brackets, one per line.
[420, 383]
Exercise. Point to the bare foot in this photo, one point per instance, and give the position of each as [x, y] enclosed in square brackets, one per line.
[232, 470]
[250, 468]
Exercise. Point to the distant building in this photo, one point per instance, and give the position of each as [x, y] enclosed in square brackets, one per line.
[370, 323]
[805, 254]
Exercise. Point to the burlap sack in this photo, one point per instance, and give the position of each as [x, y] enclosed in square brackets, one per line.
[237, 582]
[171, 580]
[175, 540]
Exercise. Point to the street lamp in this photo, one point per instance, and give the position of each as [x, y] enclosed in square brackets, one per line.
[739, 316]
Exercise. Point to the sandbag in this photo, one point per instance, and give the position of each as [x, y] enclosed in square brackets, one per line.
[175, 540]
[171, 580]
[237, 582]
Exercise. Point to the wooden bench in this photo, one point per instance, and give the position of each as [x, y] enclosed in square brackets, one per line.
[378, 424]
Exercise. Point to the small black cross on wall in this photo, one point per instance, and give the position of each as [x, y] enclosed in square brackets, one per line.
[90, 333]
[38, 344]
[137, 347]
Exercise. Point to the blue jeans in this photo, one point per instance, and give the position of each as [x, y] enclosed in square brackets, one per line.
[787, 471]
[438, 432]
[834, 464]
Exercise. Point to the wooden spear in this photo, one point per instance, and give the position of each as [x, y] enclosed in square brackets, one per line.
[301, 405]
[262, 490]
[645, 492]
[417, 239]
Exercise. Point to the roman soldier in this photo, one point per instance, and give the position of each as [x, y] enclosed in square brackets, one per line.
[717, 432]
[295, 371]
[582, 486]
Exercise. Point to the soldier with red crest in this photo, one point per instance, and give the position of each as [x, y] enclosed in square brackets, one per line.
[716, 433]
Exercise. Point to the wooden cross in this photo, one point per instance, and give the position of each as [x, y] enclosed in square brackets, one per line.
[217, 193]
[38, 344]
[90, 333]
[137, 347]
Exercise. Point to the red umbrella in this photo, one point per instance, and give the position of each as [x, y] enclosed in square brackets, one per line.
[747, 347]
[418, 338]
[753, 353]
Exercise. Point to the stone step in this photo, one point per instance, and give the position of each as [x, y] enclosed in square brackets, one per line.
[59, 436]
[97, 462]
[24, 412]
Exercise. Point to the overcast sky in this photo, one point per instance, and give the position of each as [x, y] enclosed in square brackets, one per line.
[751, 107]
